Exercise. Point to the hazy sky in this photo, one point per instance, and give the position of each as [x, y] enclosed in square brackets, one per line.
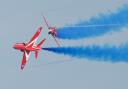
[19, 20]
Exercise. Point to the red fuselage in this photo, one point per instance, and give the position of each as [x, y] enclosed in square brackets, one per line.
[52, 31]
[22, 47]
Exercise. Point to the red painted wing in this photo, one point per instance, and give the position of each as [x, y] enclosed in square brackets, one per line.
[46, 22]
[25, 59]
[35, 37]
[56, 41]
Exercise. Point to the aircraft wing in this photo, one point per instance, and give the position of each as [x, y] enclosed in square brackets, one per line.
[25, 59]
[45, 21]
[35, 37]
[56, 41]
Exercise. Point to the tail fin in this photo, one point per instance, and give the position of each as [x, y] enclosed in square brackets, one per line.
[41, 43]
[36, 52]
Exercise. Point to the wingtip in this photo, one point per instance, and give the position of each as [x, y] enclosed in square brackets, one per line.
[40, 28]
[22, 67]
[44, 39]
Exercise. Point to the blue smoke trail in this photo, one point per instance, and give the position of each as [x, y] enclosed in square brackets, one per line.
[96, 25]
[113, 54]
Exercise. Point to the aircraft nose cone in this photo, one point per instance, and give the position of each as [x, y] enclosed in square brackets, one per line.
[14, 46]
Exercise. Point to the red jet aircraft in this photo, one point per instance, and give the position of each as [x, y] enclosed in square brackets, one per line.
[52, 31]
[26, 48]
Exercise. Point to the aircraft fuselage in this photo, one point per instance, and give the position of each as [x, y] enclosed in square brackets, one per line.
[22, 47]
[52, 31]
